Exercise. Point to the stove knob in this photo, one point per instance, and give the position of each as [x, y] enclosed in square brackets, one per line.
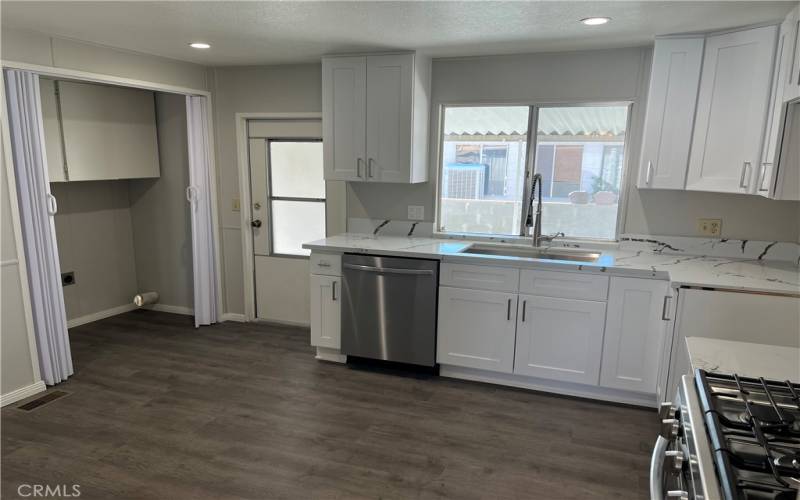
[676, 457]
[678, 494]
[666, 410]
[669, 428]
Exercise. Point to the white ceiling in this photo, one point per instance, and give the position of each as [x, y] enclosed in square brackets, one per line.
[248, 33]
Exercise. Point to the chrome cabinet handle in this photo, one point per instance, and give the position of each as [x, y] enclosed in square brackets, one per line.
[664, 308]
[323, 263]
[649, 176]
[508, 311]
[333, 291]
[524, 304]
[763, 176]
[745, 168]
[358, 167]
[369, 167]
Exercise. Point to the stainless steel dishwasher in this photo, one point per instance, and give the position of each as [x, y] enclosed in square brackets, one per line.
[389, 308]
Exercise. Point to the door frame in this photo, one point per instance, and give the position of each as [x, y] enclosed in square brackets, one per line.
[245, 200]
[89, 77]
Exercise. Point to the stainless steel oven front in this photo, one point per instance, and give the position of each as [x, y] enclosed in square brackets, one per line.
[681, 466]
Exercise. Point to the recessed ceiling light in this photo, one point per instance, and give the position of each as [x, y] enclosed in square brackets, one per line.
[595, 21]
[199, 45]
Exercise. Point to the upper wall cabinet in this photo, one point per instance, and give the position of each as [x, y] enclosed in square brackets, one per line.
[99, 132]
[375, 117]
[674, 79]
[731, 111]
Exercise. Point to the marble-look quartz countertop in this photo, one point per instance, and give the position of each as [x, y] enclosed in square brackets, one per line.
[633, 258]
[744, 358]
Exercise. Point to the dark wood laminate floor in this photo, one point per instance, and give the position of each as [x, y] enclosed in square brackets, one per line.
[160, 410]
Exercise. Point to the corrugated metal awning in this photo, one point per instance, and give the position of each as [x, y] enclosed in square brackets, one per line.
[513, 120]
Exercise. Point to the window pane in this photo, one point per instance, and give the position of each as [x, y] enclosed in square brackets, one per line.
[295, 223]
[483, 169]
[579, 152]
[296, 169]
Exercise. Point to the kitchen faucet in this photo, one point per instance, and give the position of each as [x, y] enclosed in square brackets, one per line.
[537, 224]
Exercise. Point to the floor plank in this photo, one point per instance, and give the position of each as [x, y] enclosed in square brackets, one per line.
[158, 409]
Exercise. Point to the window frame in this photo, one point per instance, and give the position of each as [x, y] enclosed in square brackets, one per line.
[530, 162]
[271, 198]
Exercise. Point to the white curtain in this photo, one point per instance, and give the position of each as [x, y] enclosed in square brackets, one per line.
[37, 207]
[199, 193]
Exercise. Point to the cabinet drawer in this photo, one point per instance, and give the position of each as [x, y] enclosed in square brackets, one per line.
[329, 264]
[503, 279]
[564, 285]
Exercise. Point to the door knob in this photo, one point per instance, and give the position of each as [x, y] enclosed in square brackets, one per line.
[256, 223]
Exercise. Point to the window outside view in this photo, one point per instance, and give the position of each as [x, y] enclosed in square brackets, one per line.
[579, 152]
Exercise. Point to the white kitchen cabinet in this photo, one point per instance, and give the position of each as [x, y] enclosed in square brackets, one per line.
[344, 104]
[731, 111]
[375, 117]
[634, 334]
[674, 80]
[476, 329]
[52, 131]
[791, 88]
[559, 339]
[326, 311]
[109, 132]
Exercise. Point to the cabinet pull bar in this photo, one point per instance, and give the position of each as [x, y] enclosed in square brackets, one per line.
[745, 169]
[524, 306]
[763, 176]
[358, 167]
[508, 311]
[664, 308]
[369, 167]
[333, 291]
[649, 177]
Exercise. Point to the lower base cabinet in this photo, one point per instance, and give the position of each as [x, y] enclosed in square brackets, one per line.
[560, 339]
[476, 329]
[326, 311]
[635, 334]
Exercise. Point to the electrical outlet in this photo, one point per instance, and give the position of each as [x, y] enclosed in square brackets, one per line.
[68, 278]
[416, 212]
[709, 227]
[236, 206]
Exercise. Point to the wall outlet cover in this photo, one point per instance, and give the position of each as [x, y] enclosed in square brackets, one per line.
[416, 212]
[236, 207]
[68, 278]
[709, 227]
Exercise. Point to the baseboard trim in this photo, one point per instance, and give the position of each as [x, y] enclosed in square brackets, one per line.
[239, 318]
[551, 386]
[106, 313]
[332, 355]
[186, 311]
[280, 322]
[22, 393]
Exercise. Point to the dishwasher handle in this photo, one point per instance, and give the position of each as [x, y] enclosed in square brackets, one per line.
[389, 270]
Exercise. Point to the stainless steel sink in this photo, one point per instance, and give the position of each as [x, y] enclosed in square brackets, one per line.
[533, 252]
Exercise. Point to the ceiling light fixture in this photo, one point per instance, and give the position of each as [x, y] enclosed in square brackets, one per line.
[595, 21]
[199, 45]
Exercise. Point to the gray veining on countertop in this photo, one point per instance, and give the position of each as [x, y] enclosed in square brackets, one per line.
[730, 264]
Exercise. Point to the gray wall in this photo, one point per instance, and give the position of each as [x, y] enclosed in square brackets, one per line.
[94, 232]
[17, 332]
[263, 89]
[162, 236]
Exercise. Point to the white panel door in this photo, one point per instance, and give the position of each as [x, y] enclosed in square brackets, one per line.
[634, 337]
[560, 339]
[326, 311]
[390, 85]
[731, 111]
[674, 79]
[476, 329]
[109, 132]
[344, 100]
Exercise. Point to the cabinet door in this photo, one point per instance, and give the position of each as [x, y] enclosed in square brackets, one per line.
[326, 311]
[109, 132]
[476, 329]
[390, 83]
[731, 111]
[344, 100]
[52, 131]
[674, 79]
[634, 338]
[560, 339]
[792, 85]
